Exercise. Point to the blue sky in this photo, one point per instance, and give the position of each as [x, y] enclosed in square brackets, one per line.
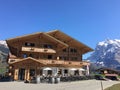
[88, 21]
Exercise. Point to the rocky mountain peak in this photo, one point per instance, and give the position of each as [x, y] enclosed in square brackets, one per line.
[2, 42]
[107, 52]
[3, 51]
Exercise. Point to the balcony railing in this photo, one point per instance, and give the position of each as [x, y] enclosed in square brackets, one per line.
[58, 62]
[65, 62]
[35, 49]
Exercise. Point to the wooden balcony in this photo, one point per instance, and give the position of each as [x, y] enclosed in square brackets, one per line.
[54, 63]
[65, 63]
[41, 50]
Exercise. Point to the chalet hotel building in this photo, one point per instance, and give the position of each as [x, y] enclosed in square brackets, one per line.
[46, 53]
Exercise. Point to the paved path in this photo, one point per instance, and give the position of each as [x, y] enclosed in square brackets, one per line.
[79, 85]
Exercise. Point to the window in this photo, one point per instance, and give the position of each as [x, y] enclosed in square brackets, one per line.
[63, 58]
[60, 57]
[49, 72]
[24, 55]
[65, 71]
[32, 72]
[73, 58]
[73, 50]
[47, 46]
[59, 71]
[32, 44]
[29, 44]
[30, 55]
[76, 72]
[64, 50]
[49, 56]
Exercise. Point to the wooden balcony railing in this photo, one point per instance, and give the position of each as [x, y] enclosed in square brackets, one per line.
[35, 49]
[65, 62]
[61, 63]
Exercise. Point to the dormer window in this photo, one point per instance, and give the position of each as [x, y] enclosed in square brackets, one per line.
[29, 44]
[47, 46]
[32, 44]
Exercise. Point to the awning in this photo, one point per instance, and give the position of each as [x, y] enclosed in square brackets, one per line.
[72, 69]
[47, 68]
[81, 69]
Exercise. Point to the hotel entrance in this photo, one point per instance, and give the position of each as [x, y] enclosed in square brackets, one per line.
[26, 69]
[21, 75]
[32, 72]
[24, 74]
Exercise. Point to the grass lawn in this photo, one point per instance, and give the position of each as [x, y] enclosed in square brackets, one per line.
[114, 87]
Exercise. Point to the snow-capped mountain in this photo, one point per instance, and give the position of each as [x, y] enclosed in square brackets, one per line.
[3, 51]
[107, 53]
[3, 43]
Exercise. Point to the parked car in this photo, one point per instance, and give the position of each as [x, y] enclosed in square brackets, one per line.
[99, 77]
[111, 76]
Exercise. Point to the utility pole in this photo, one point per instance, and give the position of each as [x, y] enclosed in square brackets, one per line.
[101, 85]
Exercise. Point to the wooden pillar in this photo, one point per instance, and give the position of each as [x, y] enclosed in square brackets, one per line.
[16, 74]
[27, 74]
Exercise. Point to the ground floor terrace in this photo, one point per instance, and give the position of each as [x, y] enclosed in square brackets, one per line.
[26, 69]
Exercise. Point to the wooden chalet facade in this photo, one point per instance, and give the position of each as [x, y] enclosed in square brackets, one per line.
[50, 53]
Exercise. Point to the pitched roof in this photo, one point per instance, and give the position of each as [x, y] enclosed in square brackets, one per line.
[58, 37]
[69, 40]
[37, 34]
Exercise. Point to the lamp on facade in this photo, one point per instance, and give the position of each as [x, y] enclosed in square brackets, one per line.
[10, 67]
[10, 74]
[58, 58]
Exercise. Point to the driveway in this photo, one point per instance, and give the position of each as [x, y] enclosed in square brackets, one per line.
[78, 85]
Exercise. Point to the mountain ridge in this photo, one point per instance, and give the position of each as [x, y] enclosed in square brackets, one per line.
[3, 51]
[107, 53]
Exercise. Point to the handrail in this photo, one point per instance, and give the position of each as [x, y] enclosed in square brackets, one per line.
[58, 62]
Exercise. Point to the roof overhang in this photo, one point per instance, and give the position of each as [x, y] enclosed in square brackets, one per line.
[70, 41]
[54, 36]
[45, 35]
